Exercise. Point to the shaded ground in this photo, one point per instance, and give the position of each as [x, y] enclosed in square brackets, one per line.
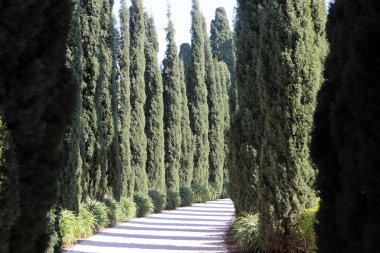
[195, 229]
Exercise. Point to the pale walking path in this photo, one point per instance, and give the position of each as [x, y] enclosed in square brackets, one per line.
[195, 229]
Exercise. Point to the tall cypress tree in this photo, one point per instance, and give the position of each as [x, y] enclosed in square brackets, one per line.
[71, 181]
[215, 117]
[115, 174]
[223, 48]
[244, 141]
[289, 76]
[187, 141]
[36, 94]
[172, 109]
[345, 144]
[128, 178]
[138, 96]
[91, 33]
[154, 110]
[198, 98]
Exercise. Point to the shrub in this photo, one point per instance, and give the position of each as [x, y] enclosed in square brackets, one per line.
[86, 222]
[186, 196]
[159, 200]
[246, 233]
[213, 190]
[128, 209]
[201, 193]
[100, 213]
[70, 229]
[173, 200]
[305, 238]
[113, 210]
[144, 205]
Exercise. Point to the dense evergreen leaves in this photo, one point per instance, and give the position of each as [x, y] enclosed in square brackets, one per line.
[292, 50]
[198, 98]
[223, 48]
[138, 139]
[244, 143]
[154, 110]
[127, 174]
[172, 116]
[346, 143]
[36, 94]
[185, 56]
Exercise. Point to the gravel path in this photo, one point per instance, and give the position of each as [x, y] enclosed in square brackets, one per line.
[194, 229]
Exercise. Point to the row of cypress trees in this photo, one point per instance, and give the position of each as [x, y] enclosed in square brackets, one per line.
[95, 115]
[280, 68]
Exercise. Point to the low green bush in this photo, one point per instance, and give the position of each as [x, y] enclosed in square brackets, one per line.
[225, 191]
[159, 200]
[186, 196]
[128, 209]
[213, 190]
[100, 212]
[305, 237]
[173, 200]
[201, 193]
[246, 233]
[144, 205]
[86, 222]
[113, 210]
[69, 227]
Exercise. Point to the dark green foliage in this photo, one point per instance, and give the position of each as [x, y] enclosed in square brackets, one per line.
[71, 180]
[185, 56]
[36, 94]
[138, 139]
[187, 141]
[201, 193]
[345, 144]
[223, 48]
[127, 174]
[99, 210]
[172, 110]
[215, 117]
[154, 110]
[90, 13]
[144, 205]
[186, 195]
[198, 98]
[173, 200]
[159, 200]
[244, 141]
[292, 50]
[9, 208]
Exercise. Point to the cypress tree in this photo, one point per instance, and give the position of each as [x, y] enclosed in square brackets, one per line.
[215, 117]
[36, 94]
[154, 129]
[185, 56]
[244, 141]
[138, 97]
[187, 141]
[91, 34]
[172, 110]
[128, 178]
[223, 48]
[289, 76]
[345, 142]
[115, 174]
[71, 181]
[198, 98]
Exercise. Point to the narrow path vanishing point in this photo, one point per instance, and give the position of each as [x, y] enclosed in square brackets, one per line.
[198, 228]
